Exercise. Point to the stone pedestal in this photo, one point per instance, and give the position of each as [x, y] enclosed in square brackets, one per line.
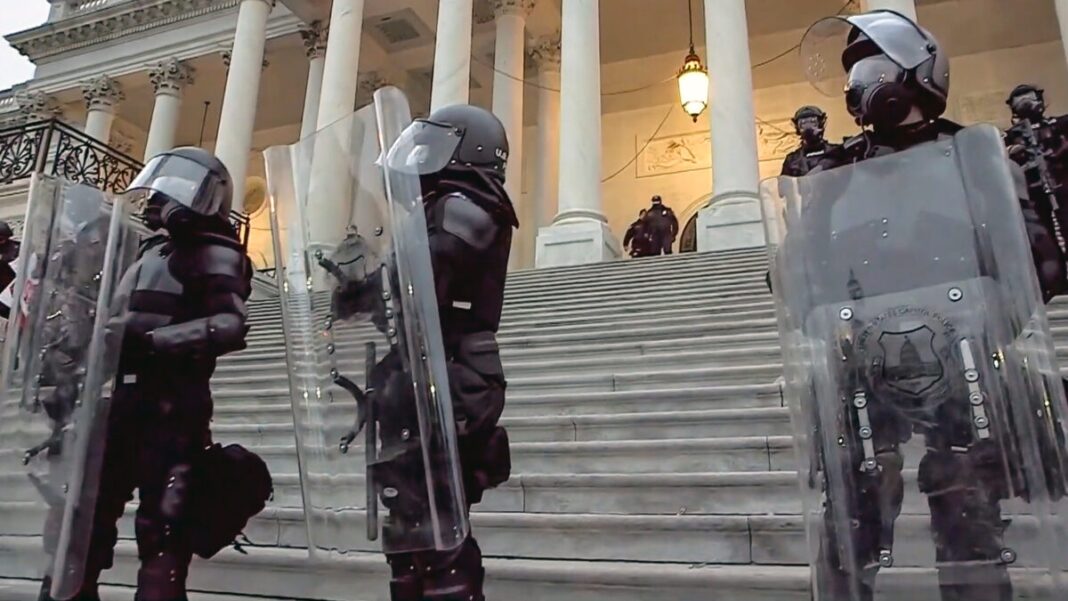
[577, 243]
[729, 222]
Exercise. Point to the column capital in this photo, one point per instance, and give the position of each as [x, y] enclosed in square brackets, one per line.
[270, 3]
[37, 105]
[546, 52]
[315, 36]
[102, 93]
[521, 8]
[369, 82]
[170, 76]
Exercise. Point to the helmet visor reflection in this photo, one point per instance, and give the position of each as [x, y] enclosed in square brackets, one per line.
[180, 179]
[423, 148]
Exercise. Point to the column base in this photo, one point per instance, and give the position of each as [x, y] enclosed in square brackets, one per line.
[730, 221]
[576, 242]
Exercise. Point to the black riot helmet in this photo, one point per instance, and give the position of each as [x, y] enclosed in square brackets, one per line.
[810, 122]
[891, 66]
[1027, 101]
[182, 185]
[460, 135]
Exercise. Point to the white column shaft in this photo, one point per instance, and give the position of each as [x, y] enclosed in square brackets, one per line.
[735, 166]
[340, 71]
[580, 111]
[98, 123]
[164, 127]
[452, 54]
[905, 7]
[1062, 20]
[547, 160]
[242, 93]
[508, 94]
[509, 59]
[312, 96]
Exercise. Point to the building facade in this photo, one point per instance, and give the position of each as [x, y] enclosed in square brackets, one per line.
[586, 89]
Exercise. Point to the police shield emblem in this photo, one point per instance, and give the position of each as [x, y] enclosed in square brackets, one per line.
[909, 361]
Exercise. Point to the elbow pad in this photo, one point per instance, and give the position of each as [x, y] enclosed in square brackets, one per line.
[217, 335]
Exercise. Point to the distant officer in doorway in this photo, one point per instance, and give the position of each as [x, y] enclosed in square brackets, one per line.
[661, 227]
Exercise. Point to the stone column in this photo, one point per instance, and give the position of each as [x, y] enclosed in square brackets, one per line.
[168, 79]
[342, 61]
[1062, 20]
[102, 97]
[329, 200]
[238, 116]
[579, 233]
[509, 63]
[315, 47]
[905, 7]
[546, 56]
[733, 218]
[452, 54]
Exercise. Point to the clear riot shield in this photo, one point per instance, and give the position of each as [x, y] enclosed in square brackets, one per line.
[375, 435]
[927, 406]
[59, 363]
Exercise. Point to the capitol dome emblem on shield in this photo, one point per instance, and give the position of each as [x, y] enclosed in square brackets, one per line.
[910, 363]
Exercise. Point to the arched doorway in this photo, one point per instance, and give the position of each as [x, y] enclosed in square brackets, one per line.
[688, 234]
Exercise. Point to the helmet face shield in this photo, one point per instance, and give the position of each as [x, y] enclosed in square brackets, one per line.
[824, 45]
[423, 148]
[186, 182]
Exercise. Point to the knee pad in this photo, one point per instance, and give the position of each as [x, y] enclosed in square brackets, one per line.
[175, 498]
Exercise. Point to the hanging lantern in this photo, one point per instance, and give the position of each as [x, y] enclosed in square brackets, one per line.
[693, 78]
[693, 86]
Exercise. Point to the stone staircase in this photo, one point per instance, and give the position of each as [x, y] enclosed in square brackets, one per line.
[651, 452]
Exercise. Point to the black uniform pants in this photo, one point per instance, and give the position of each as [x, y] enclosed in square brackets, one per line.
[964, 492]
[477, 385]
[151, 446]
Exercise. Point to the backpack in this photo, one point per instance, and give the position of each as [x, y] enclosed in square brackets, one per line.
[232, 485]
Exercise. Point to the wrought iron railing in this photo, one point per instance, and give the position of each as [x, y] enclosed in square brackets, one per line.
[55, 148]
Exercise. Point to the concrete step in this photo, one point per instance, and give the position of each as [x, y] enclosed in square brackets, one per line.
[359, 332]
[271, 358]
[743, 396]
[713, 539]
[637, 284]
[716, 493]
[647, 283]
[350, 360]
[772, 421]
[12, 589]
[289, 574]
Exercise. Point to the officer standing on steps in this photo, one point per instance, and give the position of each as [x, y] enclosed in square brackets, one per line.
[810, 123]
[899, 373]
[187, 295]
[661, 227]
[1039, 144]
[470, 219]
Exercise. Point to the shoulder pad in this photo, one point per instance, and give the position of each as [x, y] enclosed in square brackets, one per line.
[468, 221]
[218, 260]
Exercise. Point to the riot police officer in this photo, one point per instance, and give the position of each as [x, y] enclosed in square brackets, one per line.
[810, 123]
[636, 241]
[1039, 144]
[186, 294]
[661, 227]
[470, 219]
[899, 108]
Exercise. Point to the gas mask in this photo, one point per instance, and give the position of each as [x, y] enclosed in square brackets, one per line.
[1028, 106]
[877, 93]
[810, 129]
